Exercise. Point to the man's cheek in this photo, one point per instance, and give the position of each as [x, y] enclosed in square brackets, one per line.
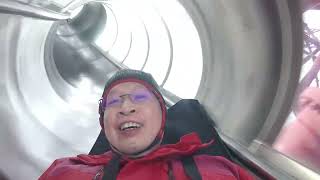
[310, 116]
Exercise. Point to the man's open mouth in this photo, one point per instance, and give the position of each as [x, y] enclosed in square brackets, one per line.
[129, 125]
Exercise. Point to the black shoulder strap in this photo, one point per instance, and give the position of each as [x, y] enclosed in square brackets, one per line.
[191, 168]
[111, 170]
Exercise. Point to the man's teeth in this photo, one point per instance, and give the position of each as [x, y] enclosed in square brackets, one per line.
[129, 125]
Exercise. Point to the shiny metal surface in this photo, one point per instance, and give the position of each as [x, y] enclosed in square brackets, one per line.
[261, 165]
[273, 158]
[251, 63]
[25, 9]
[87, 25]
[50, 83]
[34, 112]
[73, 5]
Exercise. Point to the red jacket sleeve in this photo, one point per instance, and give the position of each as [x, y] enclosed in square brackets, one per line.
[217, 167]
[243, 174]
[48, 171]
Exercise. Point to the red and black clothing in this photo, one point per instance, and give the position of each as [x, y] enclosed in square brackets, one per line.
[161, 164]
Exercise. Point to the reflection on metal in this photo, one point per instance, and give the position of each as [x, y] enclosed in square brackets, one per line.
[277, 86]
[74, 4]
[130, 44]
[18, 8]
[116, 26]
[276, 160]
[88, 24]
[148, 45]
[171, 52]
[251, 161]
[116, 63]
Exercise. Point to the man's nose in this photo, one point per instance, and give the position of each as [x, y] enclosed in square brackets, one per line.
[127, 107]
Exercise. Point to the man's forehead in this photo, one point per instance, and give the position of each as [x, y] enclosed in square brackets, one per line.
[126, 87]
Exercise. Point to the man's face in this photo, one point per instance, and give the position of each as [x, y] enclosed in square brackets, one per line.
[132, 118]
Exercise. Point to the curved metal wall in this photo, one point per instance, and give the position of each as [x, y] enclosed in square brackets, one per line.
[50, 83]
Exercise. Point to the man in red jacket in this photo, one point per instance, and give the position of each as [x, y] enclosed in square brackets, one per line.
[133, 116]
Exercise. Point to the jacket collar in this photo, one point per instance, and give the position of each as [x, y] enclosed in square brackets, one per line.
[187, 145]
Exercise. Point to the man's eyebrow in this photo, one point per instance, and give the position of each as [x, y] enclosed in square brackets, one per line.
[111, 92]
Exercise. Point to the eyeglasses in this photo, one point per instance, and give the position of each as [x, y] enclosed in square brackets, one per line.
[136, 97]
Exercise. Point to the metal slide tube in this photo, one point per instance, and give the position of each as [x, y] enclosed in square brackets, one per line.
[51, 78]
[18, 8]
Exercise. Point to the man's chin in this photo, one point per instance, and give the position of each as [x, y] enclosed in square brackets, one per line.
[135, 150]
[131, 150]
